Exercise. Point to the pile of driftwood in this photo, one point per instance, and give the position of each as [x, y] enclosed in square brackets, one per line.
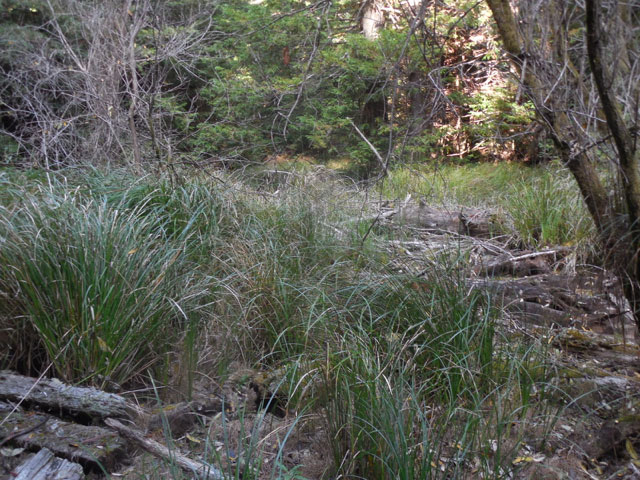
[78, 429]
[533, 286]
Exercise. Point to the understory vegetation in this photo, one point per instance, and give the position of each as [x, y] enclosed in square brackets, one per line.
[121, 280]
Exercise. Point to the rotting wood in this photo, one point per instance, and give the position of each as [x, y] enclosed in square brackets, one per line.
[543, 289]
[90, 446]
[503, 265]
[202, 470]
[52, 394]
[477, 223]
[471, 222]
[45, 466]
[22, 432]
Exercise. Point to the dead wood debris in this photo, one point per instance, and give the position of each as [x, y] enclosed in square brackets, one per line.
[52, 394]
[202, 470]
[91, 446]
[45, 466]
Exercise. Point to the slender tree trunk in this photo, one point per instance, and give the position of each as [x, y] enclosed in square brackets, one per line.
[134, 89]
[375, 105]
[619, 239]
[626, 148]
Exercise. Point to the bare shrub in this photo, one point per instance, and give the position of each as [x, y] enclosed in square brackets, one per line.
[94, 81]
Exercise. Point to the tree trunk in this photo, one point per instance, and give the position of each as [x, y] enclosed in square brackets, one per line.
[372, 19]
[627, 153]
[619, 239]
[375, 104]
[557, 123]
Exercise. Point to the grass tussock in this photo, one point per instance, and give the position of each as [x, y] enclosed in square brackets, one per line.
[112, 277]
[102, 285]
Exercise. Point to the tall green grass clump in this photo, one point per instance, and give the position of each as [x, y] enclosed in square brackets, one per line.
[413, 376]
[541, 206]
[483, 184]
[106, 288]
[410, 377]
[549, 211]
[421, 384]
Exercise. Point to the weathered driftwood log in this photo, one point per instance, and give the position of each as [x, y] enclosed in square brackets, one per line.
[202, 470]
[52, 394]
[552, 299]
[45, 466]
[521, 265]
[472, 222]
[88, 445]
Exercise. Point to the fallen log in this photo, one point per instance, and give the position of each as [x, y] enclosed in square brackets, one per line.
[52, 394]
[478, 223]
[545, 290]
[557, 291]
[90, 446]
[552, 299]
[471, 222]
[537, 314]
[202, 470]
[45, 466]
[525, 264]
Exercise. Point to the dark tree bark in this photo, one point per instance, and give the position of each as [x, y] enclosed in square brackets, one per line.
[616, 223]
[628, 157]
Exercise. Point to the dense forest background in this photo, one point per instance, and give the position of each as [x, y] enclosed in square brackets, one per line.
[164, 83]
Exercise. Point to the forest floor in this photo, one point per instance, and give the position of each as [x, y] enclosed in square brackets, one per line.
[580, 312]
[578, 309]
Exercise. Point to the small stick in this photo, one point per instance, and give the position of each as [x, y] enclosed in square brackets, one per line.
[538, 254]
[202, 470]
[383, 165]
